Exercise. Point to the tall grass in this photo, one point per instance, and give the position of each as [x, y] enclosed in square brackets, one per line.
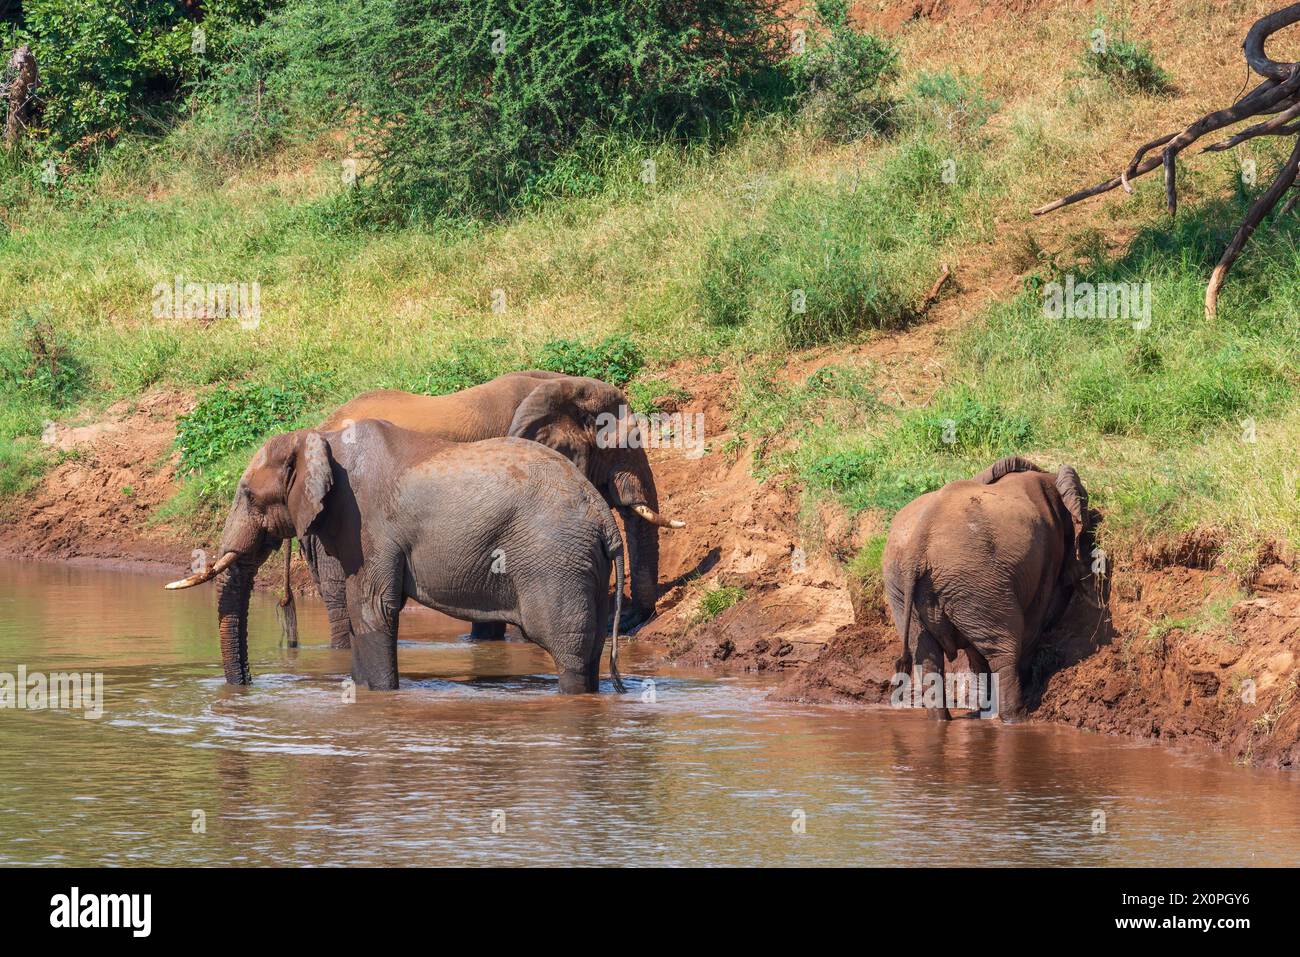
[1172, 424]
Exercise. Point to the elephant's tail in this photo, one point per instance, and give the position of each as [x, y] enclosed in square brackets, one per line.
[614, 551]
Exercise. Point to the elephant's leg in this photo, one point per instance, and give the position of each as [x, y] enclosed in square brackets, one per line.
[578, 665]
[487, 630]
[982, 683]
[374, 612]
[331, 582]
[1010, 704]
[1001, 645]
[929, 660]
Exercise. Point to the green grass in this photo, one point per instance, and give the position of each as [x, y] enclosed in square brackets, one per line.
[714, 601]
[1213, 615]
[1175, 424]
[732, 257]
[822, 262]
[613, 284]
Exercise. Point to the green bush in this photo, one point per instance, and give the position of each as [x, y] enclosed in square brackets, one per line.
[21, 465]
[614, 359]
[949, 101]
[808, 281]
[868, 564]
[716, 600]
[1131, 64]
[465, 365]
[956, 436]
[842, 75]
[961, 423]
[459, 107]
[227, 421]
[37, 365]
[108, 66]
[655, 395]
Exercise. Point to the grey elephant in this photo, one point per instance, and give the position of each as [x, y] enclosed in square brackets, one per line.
[497, 530]
[586, 420]
[987, 565]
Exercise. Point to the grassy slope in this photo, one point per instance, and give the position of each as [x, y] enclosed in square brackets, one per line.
[1152, 418]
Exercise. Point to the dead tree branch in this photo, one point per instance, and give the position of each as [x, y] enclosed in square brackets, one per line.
[1278, 97]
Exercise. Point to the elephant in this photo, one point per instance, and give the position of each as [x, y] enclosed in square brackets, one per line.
[495, 530]
[560, 411]
[987, 565]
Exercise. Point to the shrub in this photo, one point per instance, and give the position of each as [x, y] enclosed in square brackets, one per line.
[1131, 64]
[963, 424]
[950, 101]
[866, 577]
[459, 106]
[20, 466]
[614, 359]
[227, 421]
[464, 366]
[108, 66]
[959, 434]
[716, 600]
[842, 74]
[655, 395]
[36, 364]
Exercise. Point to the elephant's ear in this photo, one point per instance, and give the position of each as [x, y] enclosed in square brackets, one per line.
[309, 481]
[563, 415]
[1012, 463]
[1075, 497]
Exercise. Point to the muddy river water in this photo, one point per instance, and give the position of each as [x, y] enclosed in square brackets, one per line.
[476, 760]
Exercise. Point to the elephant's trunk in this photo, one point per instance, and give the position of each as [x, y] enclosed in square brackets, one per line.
[632, 488]
[643, 560]
[232, 611]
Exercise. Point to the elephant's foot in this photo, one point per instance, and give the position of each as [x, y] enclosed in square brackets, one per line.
[586, 681]
[342, 641]
[1007, 701]
[374, 661]
[487, 631]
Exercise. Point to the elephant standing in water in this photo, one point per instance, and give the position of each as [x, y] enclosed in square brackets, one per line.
[570, 414]
[497, 530]
[987, 565]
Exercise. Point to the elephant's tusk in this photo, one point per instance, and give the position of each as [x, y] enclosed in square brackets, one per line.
[654, 518]
[198, 578]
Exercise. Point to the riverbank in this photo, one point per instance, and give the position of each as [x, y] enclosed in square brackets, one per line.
[1184, 431]
[1169, 654]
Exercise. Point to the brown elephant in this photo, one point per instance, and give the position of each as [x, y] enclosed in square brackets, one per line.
[571, 414]
[987, 565]
[497, 530]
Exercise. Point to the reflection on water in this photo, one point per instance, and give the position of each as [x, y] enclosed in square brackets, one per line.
[287, 772]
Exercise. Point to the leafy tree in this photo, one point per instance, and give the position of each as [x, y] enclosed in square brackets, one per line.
[109, 66]
[461, 106]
